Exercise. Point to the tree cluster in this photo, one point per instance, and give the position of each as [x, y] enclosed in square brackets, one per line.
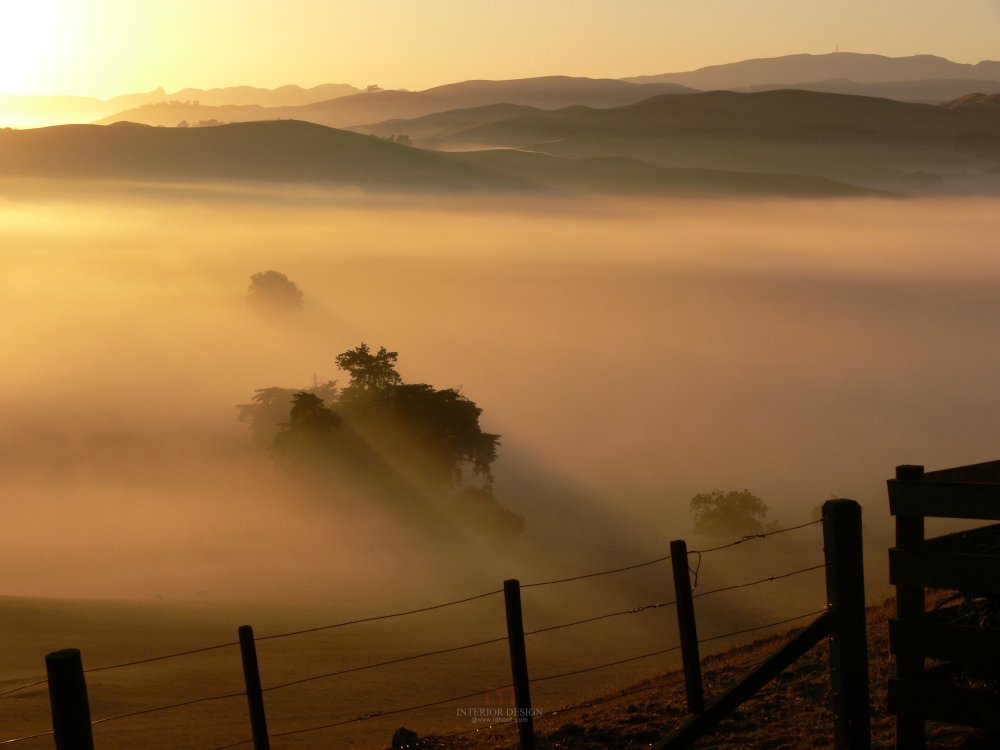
[402, 439]
[273, 292]
[730, 514]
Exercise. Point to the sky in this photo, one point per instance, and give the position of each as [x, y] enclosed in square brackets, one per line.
[108, 47]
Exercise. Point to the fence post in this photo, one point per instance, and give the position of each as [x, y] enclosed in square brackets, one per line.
[910, 606]
[255, 697]
[845, 595]
[68, 698]
[687, 627]
[519, 664]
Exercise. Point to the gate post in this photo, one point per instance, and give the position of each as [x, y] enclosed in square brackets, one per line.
[68, 698]
[845, 596]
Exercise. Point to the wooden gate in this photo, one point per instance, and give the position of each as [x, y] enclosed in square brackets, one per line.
[961, 635]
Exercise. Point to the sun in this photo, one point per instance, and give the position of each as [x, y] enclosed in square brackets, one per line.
[29, 40]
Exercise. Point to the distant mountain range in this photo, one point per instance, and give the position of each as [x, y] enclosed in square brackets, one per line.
[920, 78]
[790, 70]
[550, 92]
[563, 133]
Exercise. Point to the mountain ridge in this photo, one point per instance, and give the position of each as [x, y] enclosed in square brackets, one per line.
[788, 70]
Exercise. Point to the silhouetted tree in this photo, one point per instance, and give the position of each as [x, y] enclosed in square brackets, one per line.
[271, 291]
[310, 431]
[720, 514]
[270, 407]
[370, 373]
[430, 438]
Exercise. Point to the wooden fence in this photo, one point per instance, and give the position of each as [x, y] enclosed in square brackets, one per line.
[967, 562]
[843, 622]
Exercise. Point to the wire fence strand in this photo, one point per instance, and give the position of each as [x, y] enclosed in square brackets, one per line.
[376, 618]
[384, 663]
[762, 627]
[606, 665]
[595, 575]
[27, 737]
[751, 537]
[19, 688]
[463, 647]
[768, 579]
[168, 707]
[632, 611]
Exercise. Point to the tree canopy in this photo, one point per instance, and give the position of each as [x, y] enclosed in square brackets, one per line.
[273, 291]
[734, 513]
[427, 436]
[414, 438]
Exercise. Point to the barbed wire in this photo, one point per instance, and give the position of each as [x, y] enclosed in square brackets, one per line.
[28, 737]
[748, 584]
[19, 688]
[594, 575]
[384, 663]
[419, 610]
[378, 617]
[266, 638]
[606, 665]
[294, 682]
[165, 708]
[634, 610]
[751, 537]
[164, 657]
[694, 571]
[763, 627]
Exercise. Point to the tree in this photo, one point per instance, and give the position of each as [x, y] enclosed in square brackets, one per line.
[272, 291]
[312, 428]
[722, 514]
[270, 407]
[408, 445]
[370, 373]
[428, 437]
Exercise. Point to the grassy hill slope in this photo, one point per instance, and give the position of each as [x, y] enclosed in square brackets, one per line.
[879, 142]
[296, 152]
[284, 151]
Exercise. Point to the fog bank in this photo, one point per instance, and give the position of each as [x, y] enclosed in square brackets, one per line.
[631, 355]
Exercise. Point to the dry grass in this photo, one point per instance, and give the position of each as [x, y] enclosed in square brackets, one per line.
[793, 711]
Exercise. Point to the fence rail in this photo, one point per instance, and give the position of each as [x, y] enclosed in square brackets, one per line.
[255, 692]
[966, 562]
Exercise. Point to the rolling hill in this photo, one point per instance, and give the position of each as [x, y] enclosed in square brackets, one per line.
[285, 151]
[877, 142]
[292, 152]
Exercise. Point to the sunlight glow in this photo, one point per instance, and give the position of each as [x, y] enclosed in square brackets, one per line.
[29, 39]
